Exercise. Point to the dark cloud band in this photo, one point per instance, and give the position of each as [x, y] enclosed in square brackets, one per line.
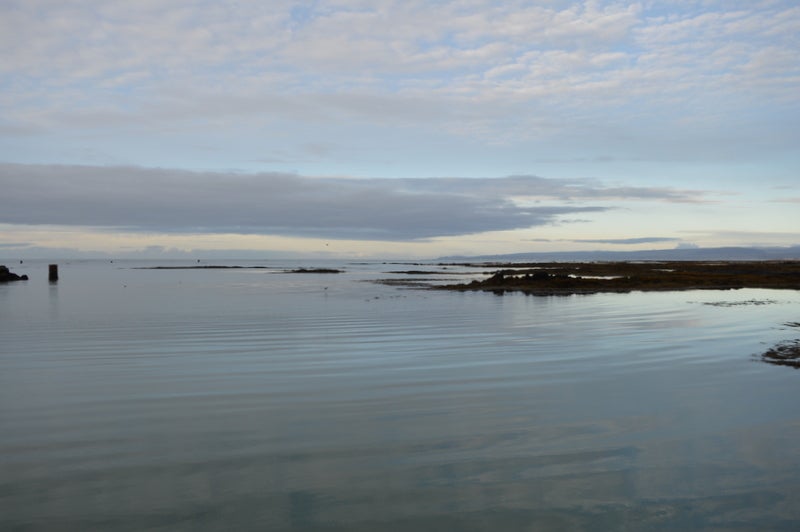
[132, 198]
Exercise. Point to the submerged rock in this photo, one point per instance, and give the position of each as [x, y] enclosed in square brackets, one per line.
[784, 354]
[6, 275]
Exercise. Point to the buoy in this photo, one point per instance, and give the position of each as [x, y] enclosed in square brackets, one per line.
[53, 273]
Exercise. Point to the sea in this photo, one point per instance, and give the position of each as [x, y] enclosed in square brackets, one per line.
[256, 398]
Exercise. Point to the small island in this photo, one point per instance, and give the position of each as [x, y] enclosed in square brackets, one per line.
[568, 278]
[312, 270]
[7, 276]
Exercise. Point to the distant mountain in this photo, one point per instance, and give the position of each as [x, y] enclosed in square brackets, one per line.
[724, 253]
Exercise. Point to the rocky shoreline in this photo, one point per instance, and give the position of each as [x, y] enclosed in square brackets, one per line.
[558, 278]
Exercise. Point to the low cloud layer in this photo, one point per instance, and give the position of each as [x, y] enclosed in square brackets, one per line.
[627, 241]
[161, 200]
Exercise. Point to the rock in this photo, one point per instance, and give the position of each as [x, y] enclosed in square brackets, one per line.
[6, 275]
[313, 270]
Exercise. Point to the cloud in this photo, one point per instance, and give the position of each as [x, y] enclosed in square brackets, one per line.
[788, 200]
[139, 199]
[631, 241]
[482, 69]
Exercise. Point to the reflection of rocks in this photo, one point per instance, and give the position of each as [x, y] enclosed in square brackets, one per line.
[6, 275]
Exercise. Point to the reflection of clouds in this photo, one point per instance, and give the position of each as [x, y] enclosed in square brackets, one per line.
[728, 477]
[191, 405]
[660, 484]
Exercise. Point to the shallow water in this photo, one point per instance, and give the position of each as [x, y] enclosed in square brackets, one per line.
[135, 399]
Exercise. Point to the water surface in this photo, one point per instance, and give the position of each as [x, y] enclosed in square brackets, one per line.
[135, 399]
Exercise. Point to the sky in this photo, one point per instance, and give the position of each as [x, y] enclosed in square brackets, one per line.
[416, 129]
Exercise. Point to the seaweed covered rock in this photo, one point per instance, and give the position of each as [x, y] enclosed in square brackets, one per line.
[786, 353]
[6, 275]
[562, 278]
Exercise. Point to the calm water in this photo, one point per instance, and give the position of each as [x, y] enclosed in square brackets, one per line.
[138, 399]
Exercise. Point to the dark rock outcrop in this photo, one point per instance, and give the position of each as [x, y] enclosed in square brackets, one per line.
[556, 278]
[6, 275]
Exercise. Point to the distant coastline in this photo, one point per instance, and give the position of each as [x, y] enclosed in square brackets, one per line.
[730, 253]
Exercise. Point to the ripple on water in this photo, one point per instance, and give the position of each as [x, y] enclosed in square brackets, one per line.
[247, 400]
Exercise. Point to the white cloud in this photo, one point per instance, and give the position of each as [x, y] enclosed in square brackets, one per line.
[216, 44]
[648, 81]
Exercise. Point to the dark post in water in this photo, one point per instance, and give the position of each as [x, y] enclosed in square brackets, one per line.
[53, 273]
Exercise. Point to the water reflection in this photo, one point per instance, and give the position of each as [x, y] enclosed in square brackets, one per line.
[208, 402]
[53, 300]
